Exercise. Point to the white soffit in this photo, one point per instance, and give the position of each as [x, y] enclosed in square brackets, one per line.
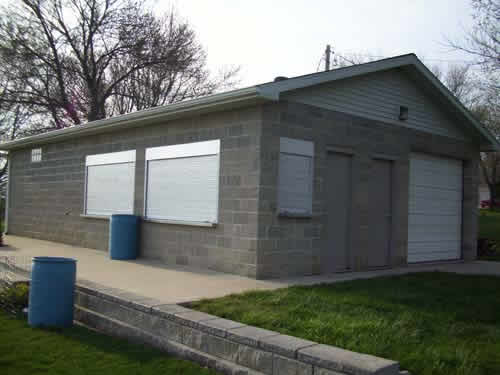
[111, 158]
[184, 150]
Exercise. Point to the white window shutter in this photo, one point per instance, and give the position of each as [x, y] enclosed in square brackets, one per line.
[110, 183]
[295, 181]
[183, 182]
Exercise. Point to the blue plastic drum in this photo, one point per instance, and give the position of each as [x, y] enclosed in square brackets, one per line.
[123, 237]
[52, 291]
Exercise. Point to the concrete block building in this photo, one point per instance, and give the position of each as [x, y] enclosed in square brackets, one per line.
[369, 166]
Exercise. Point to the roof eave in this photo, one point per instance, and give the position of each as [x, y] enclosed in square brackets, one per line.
[254, 95]
[337, 74]
[490, 147]
[212, 103]
[492, 144]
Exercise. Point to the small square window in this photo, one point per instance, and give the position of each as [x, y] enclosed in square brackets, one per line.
[36, 155]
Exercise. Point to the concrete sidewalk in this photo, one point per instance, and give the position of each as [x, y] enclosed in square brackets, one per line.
[177, 284]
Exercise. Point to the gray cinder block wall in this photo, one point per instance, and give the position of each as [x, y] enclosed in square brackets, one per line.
[47, 198]
[293, 246]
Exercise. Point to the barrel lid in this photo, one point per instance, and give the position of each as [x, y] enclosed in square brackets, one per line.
[54, 260]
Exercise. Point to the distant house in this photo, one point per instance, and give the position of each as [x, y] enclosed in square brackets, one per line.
[369, 166]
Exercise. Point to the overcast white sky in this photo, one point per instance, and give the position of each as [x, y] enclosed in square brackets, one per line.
[287, 37]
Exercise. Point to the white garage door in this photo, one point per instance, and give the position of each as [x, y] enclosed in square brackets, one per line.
[435, 209]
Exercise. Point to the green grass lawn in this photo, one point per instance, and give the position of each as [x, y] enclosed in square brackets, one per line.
[489, 224]
[489, 227]
[76, 351]
[432, 323]
[492, 257]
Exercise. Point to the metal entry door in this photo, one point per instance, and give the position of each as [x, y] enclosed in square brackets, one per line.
[338, 191]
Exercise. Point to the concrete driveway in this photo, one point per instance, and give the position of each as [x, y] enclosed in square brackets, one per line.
[177, 284]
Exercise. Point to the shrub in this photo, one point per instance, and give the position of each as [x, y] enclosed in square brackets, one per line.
[14, 297]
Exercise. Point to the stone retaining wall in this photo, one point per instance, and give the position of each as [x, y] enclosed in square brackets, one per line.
[227, 346]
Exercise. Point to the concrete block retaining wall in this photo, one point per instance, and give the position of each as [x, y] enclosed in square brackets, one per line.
[227, 346]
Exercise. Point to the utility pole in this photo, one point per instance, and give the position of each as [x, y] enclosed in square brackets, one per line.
[328, 53]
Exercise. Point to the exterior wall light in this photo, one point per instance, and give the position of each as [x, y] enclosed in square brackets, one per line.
[403, 113]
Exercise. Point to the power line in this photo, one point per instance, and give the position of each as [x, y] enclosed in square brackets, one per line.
[426, 59]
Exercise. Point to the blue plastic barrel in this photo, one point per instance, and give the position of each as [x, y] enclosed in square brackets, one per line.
[52, 291]
[123, 237]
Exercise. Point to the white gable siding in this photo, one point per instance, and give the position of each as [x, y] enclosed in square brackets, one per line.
[378, 96]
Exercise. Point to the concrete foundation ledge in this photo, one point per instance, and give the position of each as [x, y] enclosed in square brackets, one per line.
[227, 346]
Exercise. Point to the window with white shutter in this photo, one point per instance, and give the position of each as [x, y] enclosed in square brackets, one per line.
[295, 177]
[109, 185]
[182, 182]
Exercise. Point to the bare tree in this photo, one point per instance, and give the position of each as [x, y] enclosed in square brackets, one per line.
[461, 81]
[482, 42]
[488, 114]
[13, 118]
[33, 61]
[341, 60]
[66, 62]
[184, 76]
[483, 102]
[71, 58]
[156, 86]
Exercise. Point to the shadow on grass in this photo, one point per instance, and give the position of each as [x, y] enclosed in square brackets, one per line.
[132, 349]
